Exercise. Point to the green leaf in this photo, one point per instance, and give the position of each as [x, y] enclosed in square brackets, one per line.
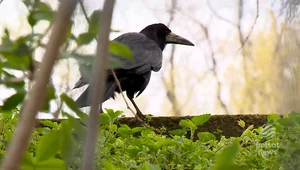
[67, 143]
[51, 164]
[273, 117]
[44, 7]
[85, 71]
[149, 166]
[178, 132]
[113, 114]
[85, 38]
[147, 133]
[13, 101]
[119, 49]
[206, 136]
[104, 118]
[125, 131]
[49, 123]
[114, 63]
[50, 96]
[35, 16]
[201, 119]
[47, 146]
[225, 159]
[28, 161]
[286, 122]
[113, 128]
[94, 22]
[81, 58]
[78, 125]
[227, 154]
[108, 166]
[187, 124]
[165, 142]
[138, 129]
[73, 106]
[41, 11]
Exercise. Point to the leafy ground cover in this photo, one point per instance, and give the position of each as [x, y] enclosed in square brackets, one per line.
[60, 145]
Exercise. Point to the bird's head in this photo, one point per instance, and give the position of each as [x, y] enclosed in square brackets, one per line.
[162, 35]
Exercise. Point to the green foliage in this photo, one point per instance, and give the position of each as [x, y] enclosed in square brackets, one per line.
[60, 145]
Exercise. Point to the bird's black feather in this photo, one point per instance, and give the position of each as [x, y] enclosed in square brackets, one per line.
[134, 76]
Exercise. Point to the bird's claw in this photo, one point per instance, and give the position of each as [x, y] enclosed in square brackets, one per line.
[140, 116]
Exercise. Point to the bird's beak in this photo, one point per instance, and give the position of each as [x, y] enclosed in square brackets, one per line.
[172, 38]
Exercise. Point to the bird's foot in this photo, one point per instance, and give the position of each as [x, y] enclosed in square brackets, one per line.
[140, 116]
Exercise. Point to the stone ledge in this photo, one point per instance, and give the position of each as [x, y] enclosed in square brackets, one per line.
[226, 124]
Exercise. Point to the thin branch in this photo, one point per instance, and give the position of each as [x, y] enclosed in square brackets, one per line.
[171, 92]
[251, 29]
[37, 94]
[98, 84]
[1, 1]
[214, 68]
[84, 12]
[217, 15]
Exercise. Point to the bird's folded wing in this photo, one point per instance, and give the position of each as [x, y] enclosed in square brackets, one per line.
[146, 54]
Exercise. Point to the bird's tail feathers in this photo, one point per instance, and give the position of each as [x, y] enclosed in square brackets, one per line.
[84, 99]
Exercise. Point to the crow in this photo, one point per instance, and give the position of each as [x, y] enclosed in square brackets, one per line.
[146, 48]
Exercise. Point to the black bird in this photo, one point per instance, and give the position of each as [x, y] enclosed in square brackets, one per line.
[134, 76]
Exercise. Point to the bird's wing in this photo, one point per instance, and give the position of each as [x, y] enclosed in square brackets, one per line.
[146, 54]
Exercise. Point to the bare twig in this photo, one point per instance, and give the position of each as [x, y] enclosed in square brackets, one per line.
[241, 40]
[217, 15]
[1, 1]
[37, 93]
[171, 92]
[98, 84]
[251, 29]
[84, 12]
[214, 68]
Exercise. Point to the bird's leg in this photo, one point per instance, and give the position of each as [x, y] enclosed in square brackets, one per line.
[138, 112]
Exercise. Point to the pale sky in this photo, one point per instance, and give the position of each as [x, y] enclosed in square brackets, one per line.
[134, 15]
